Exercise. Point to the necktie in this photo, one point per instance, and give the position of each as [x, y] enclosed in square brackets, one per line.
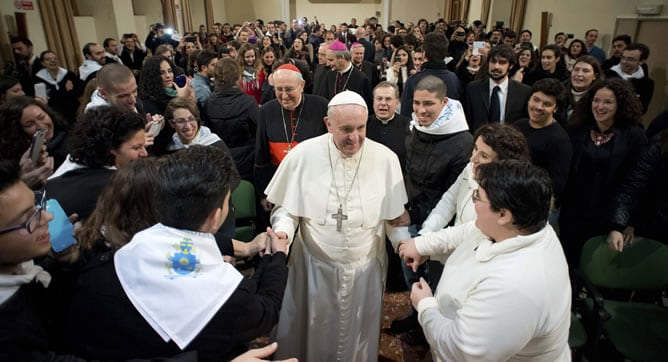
[495, 106]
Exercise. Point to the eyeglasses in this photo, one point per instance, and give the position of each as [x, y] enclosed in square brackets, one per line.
[34, 219]
[181, 122]
[476, 196]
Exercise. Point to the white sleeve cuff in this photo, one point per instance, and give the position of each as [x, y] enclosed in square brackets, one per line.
[426, 303]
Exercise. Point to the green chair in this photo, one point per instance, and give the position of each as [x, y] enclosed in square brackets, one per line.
[243, 200]
[577, 335]
[637, 330]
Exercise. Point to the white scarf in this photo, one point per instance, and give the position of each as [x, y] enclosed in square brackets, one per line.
[638, 74]
[25, 273]
[204, 137]
[450, 120]
[89, 66]
[176, 279]
[46, 76]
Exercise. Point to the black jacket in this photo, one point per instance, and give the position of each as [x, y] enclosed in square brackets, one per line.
[642, 200]
[437, 69]
[433, 163]
[233, 116]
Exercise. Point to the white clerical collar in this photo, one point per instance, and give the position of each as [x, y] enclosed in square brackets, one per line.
[176, 279]
[350, 65]
[386, 121]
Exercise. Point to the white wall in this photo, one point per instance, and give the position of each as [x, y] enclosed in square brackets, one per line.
[86, 30]
[410, 11]
[36, 32]
[103, 13]
[475, 11]
[577, 16]
[123, 17]
[336, 12]
[151, 10]
[198, 13]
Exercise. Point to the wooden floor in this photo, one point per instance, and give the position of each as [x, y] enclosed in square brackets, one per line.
[393, 348]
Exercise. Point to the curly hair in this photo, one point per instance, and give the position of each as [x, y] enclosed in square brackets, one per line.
[628, 111]
[126, 205]
[507, 141]
[101, 130]
[583, 48]
[13, 139]
[150, 82]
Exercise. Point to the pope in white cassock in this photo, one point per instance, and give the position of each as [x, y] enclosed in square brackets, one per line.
[334, 197]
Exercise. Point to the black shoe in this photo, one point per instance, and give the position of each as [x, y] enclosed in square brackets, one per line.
[404, 324]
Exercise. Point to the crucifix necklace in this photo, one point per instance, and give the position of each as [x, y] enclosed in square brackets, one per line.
[340, 216]
[293, 129]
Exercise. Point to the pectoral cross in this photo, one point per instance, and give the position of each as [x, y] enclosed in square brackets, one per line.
[339, 216]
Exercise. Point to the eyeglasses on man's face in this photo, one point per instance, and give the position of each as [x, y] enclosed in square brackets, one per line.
[34, 220]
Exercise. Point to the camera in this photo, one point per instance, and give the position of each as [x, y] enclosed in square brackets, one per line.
[397, 59]
[169, 31]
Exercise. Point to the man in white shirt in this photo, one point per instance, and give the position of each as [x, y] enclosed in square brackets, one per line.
[334, 197]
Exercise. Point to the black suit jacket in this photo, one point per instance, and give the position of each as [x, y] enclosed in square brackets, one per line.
[476, 106]
[356, 82]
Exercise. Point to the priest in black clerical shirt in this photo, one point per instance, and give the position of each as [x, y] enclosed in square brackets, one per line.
[386, 126]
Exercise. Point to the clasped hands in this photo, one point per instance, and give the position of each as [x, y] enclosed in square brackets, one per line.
[408, 252]
[270, 242]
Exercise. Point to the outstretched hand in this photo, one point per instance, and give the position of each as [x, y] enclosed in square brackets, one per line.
[256, 355]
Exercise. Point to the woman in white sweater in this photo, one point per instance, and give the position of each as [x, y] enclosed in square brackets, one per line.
[505, 292]
[493, 142]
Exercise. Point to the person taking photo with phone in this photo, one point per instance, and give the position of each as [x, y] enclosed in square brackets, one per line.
[21, 118]
[157, 86]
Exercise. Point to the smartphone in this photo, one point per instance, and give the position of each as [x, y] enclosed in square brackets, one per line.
[36, 145]
[40, 90]
[60, 227]
[180, 80]
[397, 59]
[155, 129]
[190, 39]
[477, 45]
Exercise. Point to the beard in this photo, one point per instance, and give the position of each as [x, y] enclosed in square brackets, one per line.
[497, 75]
